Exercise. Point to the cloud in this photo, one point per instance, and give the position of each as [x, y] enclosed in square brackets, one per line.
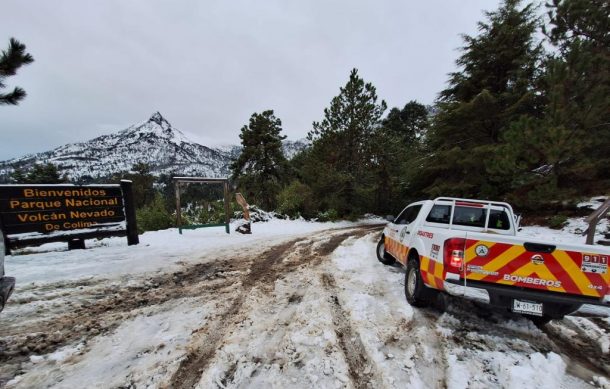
[207, 66]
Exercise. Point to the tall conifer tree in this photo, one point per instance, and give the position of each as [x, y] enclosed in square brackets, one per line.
[494, 87]
[564, 152]
[580, 79]
[338, 167]
[261, 168]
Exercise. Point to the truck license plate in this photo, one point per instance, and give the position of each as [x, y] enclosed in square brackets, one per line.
[527, 307]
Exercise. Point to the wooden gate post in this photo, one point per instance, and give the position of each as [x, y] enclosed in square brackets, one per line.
[7, 248]
[227, 207]
[178, 207]
[130, 213]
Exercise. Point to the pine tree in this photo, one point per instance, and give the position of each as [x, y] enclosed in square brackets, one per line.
[409, 123]
[494, 87]
[580, 79]
[10, 61]
[38, 174]
[397, 143]
[261, 169]
[338, 167]
[142, 183]
[564, 152]
[580, 21]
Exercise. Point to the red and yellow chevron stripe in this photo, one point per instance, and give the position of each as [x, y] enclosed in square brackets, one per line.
[396, 249]
[561, 269]
[432, 272]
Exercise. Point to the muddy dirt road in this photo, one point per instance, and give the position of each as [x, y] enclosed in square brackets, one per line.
[315, 310]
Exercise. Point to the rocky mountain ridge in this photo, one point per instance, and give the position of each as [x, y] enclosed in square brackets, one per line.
[155, 142]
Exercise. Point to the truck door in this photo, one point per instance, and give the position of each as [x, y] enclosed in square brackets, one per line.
[398, 241]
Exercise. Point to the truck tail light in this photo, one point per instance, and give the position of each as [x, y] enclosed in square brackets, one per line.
[453, 257]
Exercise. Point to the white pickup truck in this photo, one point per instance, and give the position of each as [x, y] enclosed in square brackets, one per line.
[470, 248]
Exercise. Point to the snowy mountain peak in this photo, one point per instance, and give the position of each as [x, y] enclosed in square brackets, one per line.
[156, 126]
[154, 142]
[159, 119]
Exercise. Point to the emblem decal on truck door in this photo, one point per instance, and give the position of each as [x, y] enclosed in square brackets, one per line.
[404, 233]
[481, 250]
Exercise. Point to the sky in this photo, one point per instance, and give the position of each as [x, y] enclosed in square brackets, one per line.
[101, 66]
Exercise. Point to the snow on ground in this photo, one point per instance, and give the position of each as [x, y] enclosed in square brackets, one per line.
[295, 304]
[572, 231]
[166, 249]
[126, 355]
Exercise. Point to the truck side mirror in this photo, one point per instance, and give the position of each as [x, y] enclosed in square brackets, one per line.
[389, 218]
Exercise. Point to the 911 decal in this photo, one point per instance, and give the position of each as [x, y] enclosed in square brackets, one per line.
[594, 263]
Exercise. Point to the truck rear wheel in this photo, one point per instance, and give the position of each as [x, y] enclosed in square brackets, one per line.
[382, 255]
[417, 294]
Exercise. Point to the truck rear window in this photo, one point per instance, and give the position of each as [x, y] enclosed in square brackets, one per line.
[469, 216]
[439, 214]
[498, 220]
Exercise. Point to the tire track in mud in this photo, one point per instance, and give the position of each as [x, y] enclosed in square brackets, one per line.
[480, 327]
[272, 265]
[434, 366]
[579, 349]
[96, 307]
[601, 323]
[102, 307]
[361, 370]
[191, 368]
[103, 315]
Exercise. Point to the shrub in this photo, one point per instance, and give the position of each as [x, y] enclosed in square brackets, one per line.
[328, 216]
[557, 222]
[154, 216]
[296, 200]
